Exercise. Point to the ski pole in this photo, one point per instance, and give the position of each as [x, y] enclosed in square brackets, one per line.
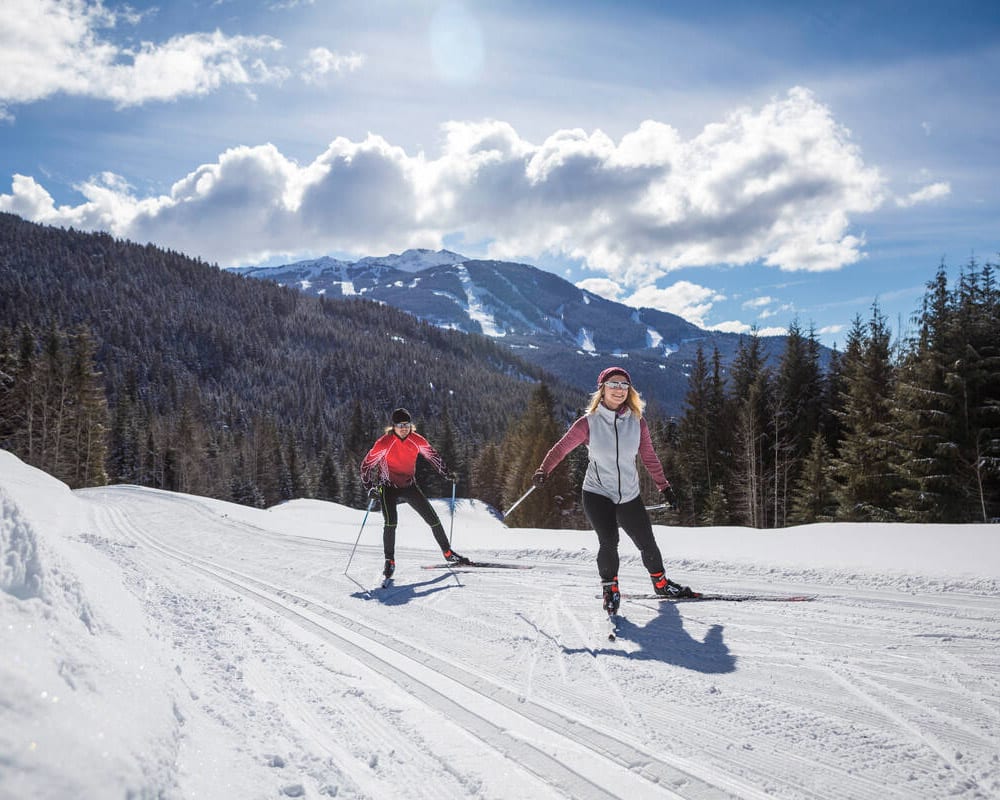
[507, 512]
[451, 526]
[656, 508]
[369, 511]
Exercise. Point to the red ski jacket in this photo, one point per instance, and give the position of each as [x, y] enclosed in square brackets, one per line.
[393, 460]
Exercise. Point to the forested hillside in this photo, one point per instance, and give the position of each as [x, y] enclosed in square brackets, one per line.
[128, 363]
[890, 431]
[230, 387]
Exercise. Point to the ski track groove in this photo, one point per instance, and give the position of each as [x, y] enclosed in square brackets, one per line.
[599, 668]
[659, 775]
[922, 737]
[927, 711]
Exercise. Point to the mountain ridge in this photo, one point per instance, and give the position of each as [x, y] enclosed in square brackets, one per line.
[569, 331]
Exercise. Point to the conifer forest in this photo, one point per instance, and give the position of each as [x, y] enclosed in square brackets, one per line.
[127, 363]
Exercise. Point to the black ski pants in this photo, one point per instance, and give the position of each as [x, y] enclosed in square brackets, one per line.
[605, 516]
[390, 496]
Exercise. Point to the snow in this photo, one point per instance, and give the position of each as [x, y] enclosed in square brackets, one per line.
[474, 306]
[585, 341]
[164, 645]
[413, 260]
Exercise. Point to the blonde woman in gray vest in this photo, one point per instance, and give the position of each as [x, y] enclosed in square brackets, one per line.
[615, 433]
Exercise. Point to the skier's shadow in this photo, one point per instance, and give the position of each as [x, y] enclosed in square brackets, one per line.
[401, 594]
[664, 639]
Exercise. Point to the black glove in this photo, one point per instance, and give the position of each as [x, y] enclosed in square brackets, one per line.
[375, 493]
[668, 496]
[539, 477]
[451, 477]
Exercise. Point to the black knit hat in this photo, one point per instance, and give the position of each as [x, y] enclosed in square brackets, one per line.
[400, 415]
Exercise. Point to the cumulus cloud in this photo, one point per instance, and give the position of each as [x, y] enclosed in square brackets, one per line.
[53, 46]
[320, 62]
[735, 326]
[779, 185]
[602, 287]
[683, 298]
[924, 195]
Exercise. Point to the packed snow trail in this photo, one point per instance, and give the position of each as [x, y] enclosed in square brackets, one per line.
[501, 684]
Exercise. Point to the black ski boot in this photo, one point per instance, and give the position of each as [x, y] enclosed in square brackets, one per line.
[612, 597]
[665, 587]
[454, 558]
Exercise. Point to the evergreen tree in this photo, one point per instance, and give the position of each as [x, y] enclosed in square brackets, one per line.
[694, 480]
[487, 476]
[813, 498]
[89, 421]
[523, 450]
[925, 414]
[795, 411]
[328, 485]
[863, 469]
[753, 435]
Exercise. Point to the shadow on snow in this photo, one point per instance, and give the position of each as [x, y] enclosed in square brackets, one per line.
[664, 639]
[401, 594]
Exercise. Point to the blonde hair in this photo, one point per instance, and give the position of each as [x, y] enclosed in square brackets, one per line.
[633, 400]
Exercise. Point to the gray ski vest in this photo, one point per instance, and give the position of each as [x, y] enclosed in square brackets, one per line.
[613, 447]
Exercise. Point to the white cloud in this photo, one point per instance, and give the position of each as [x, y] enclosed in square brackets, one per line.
[602, 287]
[53, 46]
[828, 329]
[932, 192]
[683, 298]
[731, 326]
[735, 326]
[758, 302]
[777, 185]
[320, 63]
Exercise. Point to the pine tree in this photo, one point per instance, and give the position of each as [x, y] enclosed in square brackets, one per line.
[695, 480]
[753, 435]
[328, 485]
[796, 412]
[87, 425]
[813, 498]
[523, 450]
[487, 478]
[925, 414]
[863, 469]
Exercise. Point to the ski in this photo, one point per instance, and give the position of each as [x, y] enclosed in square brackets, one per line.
[479, 565]
[729, 598]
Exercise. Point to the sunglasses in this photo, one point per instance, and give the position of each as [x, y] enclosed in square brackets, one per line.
[617, 384]
[403, 424]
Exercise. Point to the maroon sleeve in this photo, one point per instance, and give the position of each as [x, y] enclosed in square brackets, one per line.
[578, 433]
[649, 458]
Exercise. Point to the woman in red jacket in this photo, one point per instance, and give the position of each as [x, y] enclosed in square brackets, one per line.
[388, 472]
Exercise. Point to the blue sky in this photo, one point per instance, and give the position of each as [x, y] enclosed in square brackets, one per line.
[738, 163]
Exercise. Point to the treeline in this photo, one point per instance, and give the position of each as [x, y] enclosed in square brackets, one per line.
[53, 412]
[890, 431]
[131, 364]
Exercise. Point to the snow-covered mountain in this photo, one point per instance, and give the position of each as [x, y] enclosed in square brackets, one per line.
[571, 332]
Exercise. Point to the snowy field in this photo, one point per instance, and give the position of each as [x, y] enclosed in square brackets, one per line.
[157, 645]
